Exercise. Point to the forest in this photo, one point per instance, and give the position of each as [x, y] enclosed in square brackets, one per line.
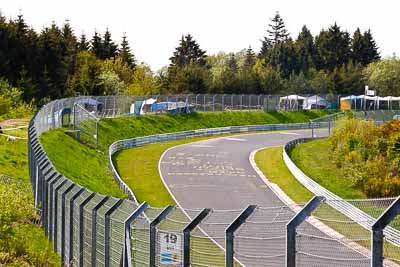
[36, 67]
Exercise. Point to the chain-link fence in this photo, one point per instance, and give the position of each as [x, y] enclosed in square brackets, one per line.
[88, 228]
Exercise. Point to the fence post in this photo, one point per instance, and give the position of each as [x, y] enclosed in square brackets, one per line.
[153, 225]
[94, 229]
[55, 219]
[63, 222]
[186, 235]
[81, 226]
[71, 224]
[223, 103]
[107, 222]
[229, 234]
[127, 262]
[377, 232]
[292, 225]
[204, 102]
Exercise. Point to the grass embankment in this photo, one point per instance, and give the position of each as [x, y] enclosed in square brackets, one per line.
[22, 240]
[271, 163]
[314, 159]
[89, 168]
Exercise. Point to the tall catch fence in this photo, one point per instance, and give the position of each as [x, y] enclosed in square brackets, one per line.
[90, 229]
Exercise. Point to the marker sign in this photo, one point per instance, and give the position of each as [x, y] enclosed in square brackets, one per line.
[170, 248]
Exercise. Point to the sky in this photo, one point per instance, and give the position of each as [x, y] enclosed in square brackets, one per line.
[154, 27]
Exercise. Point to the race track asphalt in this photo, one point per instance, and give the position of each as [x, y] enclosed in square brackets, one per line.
[217, 173]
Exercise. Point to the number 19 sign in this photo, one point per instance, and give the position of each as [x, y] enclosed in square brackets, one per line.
[171, 248]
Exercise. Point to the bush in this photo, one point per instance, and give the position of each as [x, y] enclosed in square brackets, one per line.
[368, 155]
[387, 187]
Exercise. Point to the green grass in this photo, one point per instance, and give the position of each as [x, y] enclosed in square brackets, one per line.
[22, 241]
[14, 158]
[111, 130]
[89, 168]
[141, 173]
[271, 163]
[313, 158]
[81, 164]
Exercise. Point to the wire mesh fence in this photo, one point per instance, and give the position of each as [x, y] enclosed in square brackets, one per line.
[88, 228]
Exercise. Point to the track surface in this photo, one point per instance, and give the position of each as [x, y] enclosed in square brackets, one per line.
[217, 173]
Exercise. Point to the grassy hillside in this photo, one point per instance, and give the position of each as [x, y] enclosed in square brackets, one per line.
[22, 240]
[90, 168]
[313, 158]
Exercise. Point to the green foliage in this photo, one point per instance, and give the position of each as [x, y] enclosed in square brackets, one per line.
[384, 76]
[11, 102]
[367, 155]
[22, 243]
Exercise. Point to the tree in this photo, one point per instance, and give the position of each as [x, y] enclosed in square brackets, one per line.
[305, 50]
[84, 44]
[97, 45]
[384, 76]
[110, 49]
[125, 53]
[143, 82]
[277, 32]
[86, 77]
[333, 48]
[188, 71]
[371, 53]
[249, 60]
[283, 56]
[111, 84]
[188, 52]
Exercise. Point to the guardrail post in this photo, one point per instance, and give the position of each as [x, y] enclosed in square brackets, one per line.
[229, 234]
[377, 232]
[186, 235]
[107, 222]
[94, 229]
[292, 225]
[127, 259]
[153, 225]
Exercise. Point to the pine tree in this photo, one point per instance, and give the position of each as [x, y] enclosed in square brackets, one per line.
[109, 47]
[357, 47]
[305, 49]
[249, 60]
[371, 53]
[84, 44]
[333, 48]
[125, 53]
[232, 63]
[97, 45]
[277, 32]
[188, 52]
[266, 45]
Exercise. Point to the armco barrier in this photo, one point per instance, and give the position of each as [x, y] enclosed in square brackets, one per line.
[89, 229]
